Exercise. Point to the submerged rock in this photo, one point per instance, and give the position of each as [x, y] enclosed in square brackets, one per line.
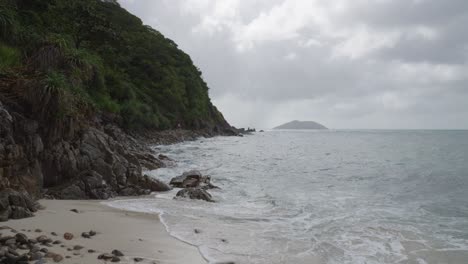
[196, 194]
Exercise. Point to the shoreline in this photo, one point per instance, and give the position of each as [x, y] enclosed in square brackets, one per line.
[137, 235]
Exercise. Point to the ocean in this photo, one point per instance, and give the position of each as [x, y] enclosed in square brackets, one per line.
[337, 196]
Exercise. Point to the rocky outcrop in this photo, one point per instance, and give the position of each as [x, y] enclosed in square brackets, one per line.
[195, 193]
[16, 205]
[192, 179]
[71, 161]
[195, 186]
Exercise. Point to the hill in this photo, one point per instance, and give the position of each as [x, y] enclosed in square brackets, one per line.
[301, 125]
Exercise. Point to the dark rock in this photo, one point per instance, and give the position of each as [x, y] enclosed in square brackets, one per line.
[85, 235]
[192, 179]
[54, 234]
[57, 242]
[92, 233]
[68, 236]
[154, 185]
[91, 251]
[117, 253]
[105, 256]
[195, 193]
[21, 238]
[38, 230]
[57, 258]
[138, 259]
[77, 247]
[197, 231]
[36, 256]
[75, 211]
[115, 259]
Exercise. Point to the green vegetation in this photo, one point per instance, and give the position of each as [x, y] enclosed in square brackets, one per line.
[93, 54]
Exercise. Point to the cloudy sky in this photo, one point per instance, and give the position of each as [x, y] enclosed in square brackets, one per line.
[343, 63]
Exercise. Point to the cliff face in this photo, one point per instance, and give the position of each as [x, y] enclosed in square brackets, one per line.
[76, 79]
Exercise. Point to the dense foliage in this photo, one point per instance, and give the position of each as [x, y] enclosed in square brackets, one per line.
[94, 54]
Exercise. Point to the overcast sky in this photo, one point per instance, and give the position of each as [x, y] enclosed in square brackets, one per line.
[343, 63]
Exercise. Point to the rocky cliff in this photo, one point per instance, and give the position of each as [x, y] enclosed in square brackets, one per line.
[84, 86]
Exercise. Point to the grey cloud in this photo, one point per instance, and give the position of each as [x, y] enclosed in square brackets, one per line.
[331, 72]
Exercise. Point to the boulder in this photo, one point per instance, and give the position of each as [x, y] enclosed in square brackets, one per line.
[196, 194]
[16, 205]
[192, 179]
[154, 185]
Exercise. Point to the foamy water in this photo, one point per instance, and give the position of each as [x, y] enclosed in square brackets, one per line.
[323, 197]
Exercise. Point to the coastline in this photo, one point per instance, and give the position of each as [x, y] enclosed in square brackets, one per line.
[135, 234]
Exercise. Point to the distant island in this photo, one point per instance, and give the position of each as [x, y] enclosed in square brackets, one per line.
[301, 125]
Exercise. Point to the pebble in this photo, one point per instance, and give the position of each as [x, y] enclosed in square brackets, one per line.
[117, 253]
[75, 211]
[85, 235]
[57, 242]
[105, 256]
[21, 238]
[92, 233]
[38, 230]
[91, 251]
[138, 259]
[197, 231]
[68, 236]
[77, 247]
[54, 234]
[115, 259]
[57, 258]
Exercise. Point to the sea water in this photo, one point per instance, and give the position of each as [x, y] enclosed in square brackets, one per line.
[307, 197]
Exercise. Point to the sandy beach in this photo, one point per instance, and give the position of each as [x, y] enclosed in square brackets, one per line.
[134, 234]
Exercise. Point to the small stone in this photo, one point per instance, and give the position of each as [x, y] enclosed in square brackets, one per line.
[10, 241]
[197, 231]
[36, 256]
[57, 242]
[85, 235]
[32, 241]
[34, 249]
[91, 251]
[38, 230]
[77, 247]
[105, 256]
[75, 211]
[117, 253]
[67, 257]
[57, 258]
[92, 233]
[138, 259]
[68, 236]
[115, 259]
[224, 240]
[23, 247]
[44, 250]
[54, 234]
[21, 238]
[42, 239]
[76, 253]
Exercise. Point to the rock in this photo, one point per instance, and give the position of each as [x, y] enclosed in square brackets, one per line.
[35, 256]
[196, 194]
[105, 256]
[38, 230]
[57, 242]
[92, 233]
[54, 234]
[68, 236]
[192, 179]
[115, 259]
[91, 251]
[44, 250]
[117, 253]
[85, 235]
[10, 241]
[57, 258]
[154, 185]
[43, 239]
[77, 247]
[197, 231]
[138, 259]
[32, 241]
[34, 249]
[75, 211]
